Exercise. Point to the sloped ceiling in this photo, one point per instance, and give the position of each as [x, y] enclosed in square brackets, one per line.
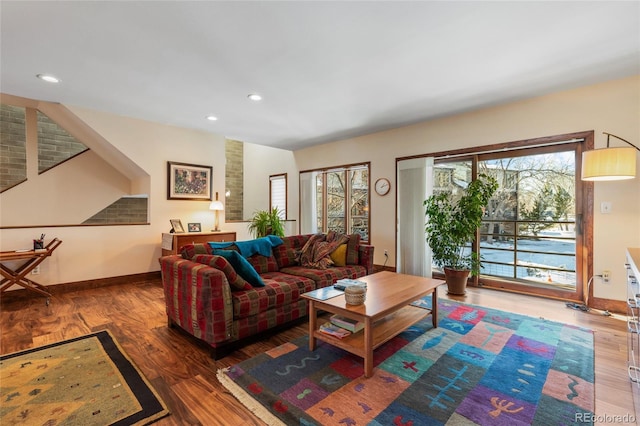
[326, 70]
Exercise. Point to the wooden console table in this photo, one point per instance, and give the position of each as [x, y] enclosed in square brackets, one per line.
[19, 275]
[171, 243]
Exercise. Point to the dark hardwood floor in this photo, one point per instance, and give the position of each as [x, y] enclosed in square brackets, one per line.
[185, 376]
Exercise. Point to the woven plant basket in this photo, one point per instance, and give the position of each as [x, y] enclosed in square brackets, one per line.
[355, 295]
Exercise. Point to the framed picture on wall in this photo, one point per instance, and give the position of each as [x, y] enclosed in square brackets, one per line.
[176, 226]
[189, 182]
[194, 227]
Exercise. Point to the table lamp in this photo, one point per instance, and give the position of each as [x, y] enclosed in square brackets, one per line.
[216, 206]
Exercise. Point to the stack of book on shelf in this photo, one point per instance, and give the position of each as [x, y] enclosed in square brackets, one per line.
[346, 282]
[334, 330]
[347, 323]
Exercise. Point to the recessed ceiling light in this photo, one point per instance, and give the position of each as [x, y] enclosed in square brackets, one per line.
[48, 78]
[254, 97]
[212, 117]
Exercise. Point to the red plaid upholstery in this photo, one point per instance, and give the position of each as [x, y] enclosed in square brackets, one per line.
[250, 326]
[287, 254]
[326, 277]
[365, 258]
[263, 264]
[235, 281]
[353, 246]
[190, 250]
[280, 289]
[198, 298]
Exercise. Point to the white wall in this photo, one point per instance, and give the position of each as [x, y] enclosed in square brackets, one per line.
[74, 190]
[260, 163]
[98, 252]
[612, 107]
[89, 183]
[92, 252]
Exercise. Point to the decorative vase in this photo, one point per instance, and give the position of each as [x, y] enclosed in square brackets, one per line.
[456, 280]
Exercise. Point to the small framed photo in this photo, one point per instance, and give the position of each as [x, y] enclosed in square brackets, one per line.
[189, 182]
[176, 225]
[193, 227]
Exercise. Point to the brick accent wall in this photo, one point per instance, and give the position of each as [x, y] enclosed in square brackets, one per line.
[234, 178]
[124, 210]
[54, 144]
[13, 152]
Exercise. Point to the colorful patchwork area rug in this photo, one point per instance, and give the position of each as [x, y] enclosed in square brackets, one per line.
[479, 366]
[88, 380]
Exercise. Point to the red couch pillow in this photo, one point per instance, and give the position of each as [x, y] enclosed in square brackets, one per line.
[190, 250]
[235, 281]
[353, 246]
[288, 253]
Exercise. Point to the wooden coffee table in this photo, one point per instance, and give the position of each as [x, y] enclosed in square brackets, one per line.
[386, 312]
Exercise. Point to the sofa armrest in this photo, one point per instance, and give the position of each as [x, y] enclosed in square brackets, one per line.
[197, 298]
[365, 257]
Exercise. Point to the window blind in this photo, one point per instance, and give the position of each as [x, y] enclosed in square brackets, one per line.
[278, 194]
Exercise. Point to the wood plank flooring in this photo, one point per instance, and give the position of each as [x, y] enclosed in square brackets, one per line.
[185, 376]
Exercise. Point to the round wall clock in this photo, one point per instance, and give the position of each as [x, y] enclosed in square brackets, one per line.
[382, 186]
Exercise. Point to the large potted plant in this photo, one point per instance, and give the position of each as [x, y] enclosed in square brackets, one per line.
[452, 224]
[266, 222]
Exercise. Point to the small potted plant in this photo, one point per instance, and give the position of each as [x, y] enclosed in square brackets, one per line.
[451, 225]
[266, 222]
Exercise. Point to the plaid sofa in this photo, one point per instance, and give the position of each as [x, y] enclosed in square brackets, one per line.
[205, 298]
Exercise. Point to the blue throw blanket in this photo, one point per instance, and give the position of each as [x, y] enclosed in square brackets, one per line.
[249, 248]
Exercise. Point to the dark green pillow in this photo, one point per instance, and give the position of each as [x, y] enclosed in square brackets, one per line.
[242, 266]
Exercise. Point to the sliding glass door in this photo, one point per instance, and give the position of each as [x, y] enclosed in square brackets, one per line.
[530, 232]
[530, 235]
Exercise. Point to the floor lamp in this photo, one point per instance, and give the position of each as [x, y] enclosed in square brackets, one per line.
[606, 164]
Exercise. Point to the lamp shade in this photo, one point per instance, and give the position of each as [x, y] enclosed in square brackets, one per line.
[609, 164]
[216, 205]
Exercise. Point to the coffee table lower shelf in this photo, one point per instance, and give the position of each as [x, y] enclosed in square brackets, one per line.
[383, 330]
[386, 312]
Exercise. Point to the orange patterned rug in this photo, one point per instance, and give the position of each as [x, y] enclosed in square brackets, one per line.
[88, 380]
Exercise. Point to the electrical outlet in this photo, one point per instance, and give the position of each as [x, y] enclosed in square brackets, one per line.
[386, 253]
[36, 270]
[606, 276]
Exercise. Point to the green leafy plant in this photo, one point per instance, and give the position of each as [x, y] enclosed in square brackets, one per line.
[266, 222]
[451, 224]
